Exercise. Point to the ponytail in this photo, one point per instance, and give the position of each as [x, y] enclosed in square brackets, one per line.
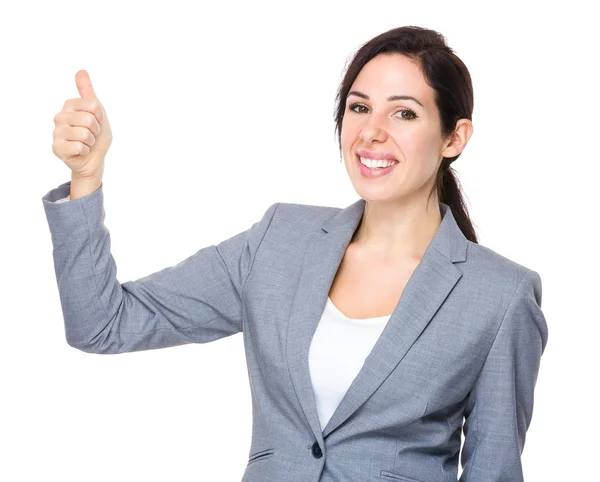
[449, 192]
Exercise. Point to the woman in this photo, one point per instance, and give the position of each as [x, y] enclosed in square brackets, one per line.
[371, 332]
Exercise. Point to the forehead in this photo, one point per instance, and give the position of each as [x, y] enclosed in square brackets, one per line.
[393, 74]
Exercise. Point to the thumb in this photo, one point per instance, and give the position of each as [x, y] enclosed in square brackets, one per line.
[84, 85]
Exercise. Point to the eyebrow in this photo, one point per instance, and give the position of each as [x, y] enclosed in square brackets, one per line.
[390, 98]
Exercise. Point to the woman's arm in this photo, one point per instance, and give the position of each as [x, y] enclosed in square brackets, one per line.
[500, 406]
[195, 301]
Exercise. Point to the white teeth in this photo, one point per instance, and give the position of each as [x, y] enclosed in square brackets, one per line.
[376, 162]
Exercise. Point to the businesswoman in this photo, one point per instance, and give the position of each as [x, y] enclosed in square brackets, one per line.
[374, 334]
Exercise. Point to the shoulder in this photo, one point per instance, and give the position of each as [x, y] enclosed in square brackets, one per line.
[493, 276]
[484, 259]
[303, 216]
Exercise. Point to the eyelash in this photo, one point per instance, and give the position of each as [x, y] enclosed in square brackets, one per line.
[414, 116]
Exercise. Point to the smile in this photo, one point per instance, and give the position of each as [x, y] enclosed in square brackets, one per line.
[379, 167]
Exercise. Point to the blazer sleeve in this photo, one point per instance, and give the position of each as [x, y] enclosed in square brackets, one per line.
[500, 406]
[196, 301]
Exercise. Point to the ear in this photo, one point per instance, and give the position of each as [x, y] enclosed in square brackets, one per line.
[458, 139]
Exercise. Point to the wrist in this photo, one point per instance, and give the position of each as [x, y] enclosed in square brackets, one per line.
[84, 186]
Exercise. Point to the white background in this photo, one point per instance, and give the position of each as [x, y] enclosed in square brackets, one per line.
[219, 110]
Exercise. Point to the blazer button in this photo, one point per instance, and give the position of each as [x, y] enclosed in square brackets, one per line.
[316, 451]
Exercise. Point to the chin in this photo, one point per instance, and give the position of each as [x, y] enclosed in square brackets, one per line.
[377, 195]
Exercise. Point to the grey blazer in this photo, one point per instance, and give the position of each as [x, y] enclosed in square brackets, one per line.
[464, 341]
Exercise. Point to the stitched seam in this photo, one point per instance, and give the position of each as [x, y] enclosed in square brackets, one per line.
[251, 265]
[224, 263]
[476, 412]
[257, 248]
[254, 257]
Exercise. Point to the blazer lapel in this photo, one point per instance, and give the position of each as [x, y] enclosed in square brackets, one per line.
[431, 282]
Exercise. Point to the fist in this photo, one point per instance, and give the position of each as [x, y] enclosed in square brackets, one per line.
[82, 134]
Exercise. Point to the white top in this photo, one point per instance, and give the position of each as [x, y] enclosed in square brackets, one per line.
[337, 352]
[68, 198]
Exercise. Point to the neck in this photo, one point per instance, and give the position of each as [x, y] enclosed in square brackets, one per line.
[393, 231]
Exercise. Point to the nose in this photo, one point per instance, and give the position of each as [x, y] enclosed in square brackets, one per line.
[373, 130]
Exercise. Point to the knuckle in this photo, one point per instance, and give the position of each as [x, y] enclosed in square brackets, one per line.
[95, 127]
[93, 105]
[93, 108]
[90, 120]
[57, 134]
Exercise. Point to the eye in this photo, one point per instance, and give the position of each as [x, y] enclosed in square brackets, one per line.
[407, 111]
[406, 114]
[352, 107]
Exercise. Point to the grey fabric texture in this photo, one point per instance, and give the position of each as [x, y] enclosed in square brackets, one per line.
[461, 350]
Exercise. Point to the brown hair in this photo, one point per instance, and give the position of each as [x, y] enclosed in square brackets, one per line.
[453, 90]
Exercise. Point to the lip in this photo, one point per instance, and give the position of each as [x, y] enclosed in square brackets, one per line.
[374, 174]
[376, 155]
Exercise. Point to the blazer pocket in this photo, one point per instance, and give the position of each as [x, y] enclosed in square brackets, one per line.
[384, 474]
[262, 455]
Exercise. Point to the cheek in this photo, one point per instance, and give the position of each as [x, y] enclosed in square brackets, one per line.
[349, 133]
[349, 136]
[416, 144]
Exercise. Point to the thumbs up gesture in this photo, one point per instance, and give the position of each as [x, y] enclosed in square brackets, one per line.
[82, 135]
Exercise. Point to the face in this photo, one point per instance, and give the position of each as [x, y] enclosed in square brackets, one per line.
[406, 130]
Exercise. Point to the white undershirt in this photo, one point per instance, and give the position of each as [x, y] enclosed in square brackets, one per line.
[337, 352]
